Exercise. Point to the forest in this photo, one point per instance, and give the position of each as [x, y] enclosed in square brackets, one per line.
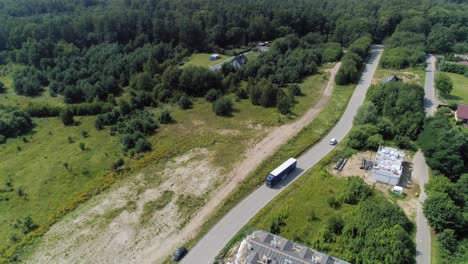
[121, 62]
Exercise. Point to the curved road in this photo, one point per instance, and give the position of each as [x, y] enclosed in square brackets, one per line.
[209, 246]
[421, 172]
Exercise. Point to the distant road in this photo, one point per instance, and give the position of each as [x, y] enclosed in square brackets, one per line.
[421, 171]
[211, 244]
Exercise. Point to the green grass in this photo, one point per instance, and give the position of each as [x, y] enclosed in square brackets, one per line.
[409, 75]
[203, 60]
[435, 253]
[294, 147]
[36, 163]
[459, 94]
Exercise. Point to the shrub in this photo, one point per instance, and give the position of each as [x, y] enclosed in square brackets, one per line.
[442, 213]
[222, 107]
[295, 89]
[14, 122]
[284, 103]
[165, 117]
[241, 93]
[447, 241]
[2, 87]
[67, 117]
[119, 163]
[356, 191]
[184, 102]
[443, 83]
[212, 95]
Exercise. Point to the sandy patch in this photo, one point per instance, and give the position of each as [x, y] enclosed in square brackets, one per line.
[108, 230]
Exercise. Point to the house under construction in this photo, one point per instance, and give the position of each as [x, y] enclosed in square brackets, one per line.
[388, 165]
[266, 248]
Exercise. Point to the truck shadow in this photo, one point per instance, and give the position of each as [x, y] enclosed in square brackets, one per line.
[288, 179]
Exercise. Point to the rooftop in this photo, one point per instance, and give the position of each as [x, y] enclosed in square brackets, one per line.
[268, 248]
[389, 160]
[462, 111]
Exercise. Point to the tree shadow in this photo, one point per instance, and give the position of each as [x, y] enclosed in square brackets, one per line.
[453, 97]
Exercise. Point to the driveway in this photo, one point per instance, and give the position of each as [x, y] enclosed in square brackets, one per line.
[209, 246]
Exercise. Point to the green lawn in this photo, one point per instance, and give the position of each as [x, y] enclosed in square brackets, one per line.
[37, 164]
[203, 60]
[459, 94]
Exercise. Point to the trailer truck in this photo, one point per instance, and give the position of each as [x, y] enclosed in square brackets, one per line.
[279, 173]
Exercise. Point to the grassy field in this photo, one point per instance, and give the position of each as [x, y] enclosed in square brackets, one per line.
[50, 168]
[294, 147]
[203, 60]
[57, 175]
[459, 94]
[409, 75]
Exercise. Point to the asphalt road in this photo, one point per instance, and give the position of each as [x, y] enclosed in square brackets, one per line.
[211, 244]
[421, 171]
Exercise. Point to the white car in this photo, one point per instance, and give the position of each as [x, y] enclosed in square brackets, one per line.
[333, 141]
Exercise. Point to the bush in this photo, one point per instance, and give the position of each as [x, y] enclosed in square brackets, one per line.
[212, 95]
[2, 87]
[442, 213]
[447, 241]
[14, 122]
[284, 103]
[222, 107]
[356, 191]
[165, 117]
[241, 93]
[67, 117]
[2, 139]
[295, 89]
[184, 102]
[443, 83]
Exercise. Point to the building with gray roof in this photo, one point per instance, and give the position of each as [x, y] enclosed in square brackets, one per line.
[388, 165]
[262, 247]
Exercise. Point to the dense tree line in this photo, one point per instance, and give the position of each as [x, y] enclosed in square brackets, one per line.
[394, 113]
[352, 62]
[445, 147]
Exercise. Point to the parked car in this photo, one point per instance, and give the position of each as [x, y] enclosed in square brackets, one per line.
[333, 141]
[179, 254]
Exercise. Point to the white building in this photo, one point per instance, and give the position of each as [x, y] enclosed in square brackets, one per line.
[388, 165]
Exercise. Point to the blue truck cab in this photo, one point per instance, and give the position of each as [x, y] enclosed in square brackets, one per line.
[279, 173]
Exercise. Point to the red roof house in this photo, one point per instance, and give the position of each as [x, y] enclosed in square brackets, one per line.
[462, 113]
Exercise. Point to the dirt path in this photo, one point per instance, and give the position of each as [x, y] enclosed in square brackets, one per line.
[252, 158]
